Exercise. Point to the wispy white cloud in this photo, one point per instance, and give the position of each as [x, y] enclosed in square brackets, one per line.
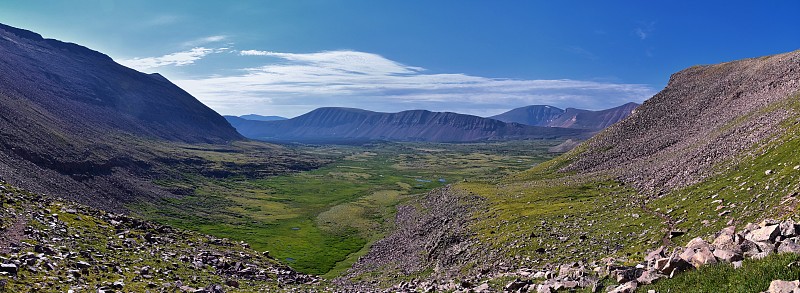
[174, 59]
[342, 61]
[205, 40]
[293, 83]
[645, 30]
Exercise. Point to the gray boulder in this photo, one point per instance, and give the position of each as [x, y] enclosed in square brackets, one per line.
[628, 287]
[725, 255]
[788, 247]
[673, 264]
[788, 228]
[703, 256]
[765, 234]
[780, 286]
[649, 276]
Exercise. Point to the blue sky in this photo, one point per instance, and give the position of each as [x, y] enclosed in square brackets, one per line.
[478, 57]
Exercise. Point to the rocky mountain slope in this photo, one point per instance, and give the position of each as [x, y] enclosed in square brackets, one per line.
[549, 116]
[78, 125]
[716, 148]
[705, 117]
[82, 90]
[341, 124]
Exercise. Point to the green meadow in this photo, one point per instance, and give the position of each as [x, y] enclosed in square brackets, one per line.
[321, 221]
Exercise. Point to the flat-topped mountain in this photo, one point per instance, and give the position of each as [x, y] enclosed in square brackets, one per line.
[543, 115]
[257, 117]
[341, 124]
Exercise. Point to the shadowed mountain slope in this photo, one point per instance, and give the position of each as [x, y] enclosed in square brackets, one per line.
[77, 124]
[418, 125]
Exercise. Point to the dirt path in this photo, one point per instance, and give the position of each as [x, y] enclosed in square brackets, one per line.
[13, 234]
[667, 219]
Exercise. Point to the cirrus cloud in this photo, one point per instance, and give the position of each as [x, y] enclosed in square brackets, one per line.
[296, 83]
[174, 59]
[291, 84]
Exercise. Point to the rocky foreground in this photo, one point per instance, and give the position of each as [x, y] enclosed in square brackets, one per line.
[52, 246]
[728, 246]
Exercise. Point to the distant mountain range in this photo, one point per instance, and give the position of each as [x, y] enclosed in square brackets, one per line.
[346, 124]
[256, 117]
[549, 116]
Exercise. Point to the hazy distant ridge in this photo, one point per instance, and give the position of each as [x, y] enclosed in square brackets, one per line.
[416, 125]
[549, 116]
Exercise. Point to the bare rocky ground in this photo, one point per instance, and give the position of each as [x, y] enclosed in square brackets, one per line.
[431, 233]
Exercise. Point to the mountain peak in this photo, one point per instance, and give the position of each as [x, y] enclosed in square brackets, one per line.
[549, 116]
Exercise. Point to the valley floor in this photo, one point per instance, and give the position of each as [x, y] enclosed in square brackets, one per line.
[322, 221]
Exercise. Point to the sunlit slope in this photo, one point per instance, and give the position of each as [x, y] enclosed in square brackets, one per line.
[718, 146]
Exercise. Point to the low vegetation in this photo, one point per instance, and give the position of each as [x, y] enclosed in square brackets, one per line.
[321, 221]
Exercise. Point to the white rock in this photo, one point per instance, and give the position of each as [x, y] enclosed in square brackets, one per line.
[780, 286]
[767, 233]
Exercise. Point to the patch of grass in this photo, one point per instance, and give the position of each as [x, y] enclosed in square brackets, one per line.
[536, 223]
[753, 276]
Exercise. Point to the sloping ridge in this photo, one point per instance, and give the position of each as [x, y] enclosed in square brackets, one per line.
[74, 121]
[415, 125]
[90, 92]
[586, 119]
[549, 116]
[706, 115]
[535, 115]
